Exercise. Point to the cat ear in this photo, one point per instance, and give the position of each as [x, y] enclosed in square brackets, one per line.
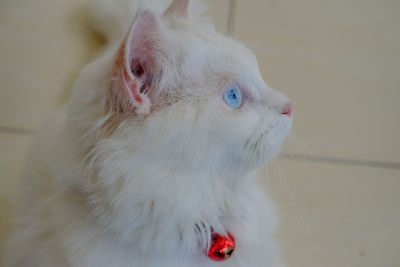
[135, 65]
[178, 8]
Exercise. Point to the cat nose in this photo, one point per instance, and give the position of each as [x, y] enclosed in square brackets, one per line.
[288, 109]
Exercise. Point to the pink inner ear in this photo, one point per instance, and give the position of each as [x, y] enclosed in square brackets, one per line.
[132, 86]
[135, 64]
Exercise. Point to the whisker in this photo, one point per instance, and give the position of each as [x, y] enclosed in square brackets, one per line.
[303, 146]
[247, 143]
[256, 145]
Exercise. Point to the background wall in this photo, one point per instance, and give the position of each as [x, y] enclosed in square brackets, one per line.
[337, 181]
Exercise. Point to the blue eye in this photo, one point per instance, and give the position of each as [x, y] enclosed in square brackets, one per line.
[233, 96]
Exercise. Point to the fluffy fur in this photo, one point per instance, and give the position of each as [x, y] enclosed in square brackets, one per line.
[146, 151]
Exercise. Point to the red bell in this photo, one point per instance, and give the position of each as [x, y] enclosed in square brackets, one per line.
[221, 247]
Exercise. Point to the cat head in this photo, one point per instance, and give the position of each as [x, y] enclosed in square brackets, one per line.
[180, 96]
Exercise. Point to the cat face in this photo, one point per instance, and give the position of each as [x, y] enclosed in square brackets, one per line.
[240, 132]
[188, 98]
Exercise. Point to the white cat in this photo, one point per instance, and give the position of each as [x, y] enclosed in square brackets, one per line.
[158, 145]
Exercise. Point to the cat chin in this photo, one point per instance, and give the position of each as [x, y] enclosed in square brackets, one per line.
[268, 144]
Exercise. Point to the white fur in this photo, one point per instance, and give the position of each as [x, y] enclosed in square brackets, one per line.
[108, 189]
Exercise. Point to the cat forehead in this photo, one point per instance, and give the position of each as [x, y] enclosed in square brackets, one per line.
[224, 58]
[215, 43]
[203, 40]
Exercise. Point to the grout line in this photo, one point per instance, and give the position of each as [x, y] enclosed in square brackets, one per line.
[335, 160]
[16, 130]
[231, 17]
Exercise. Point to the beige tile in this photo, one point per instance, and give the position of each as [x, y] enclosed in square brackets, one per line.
[337, 215]
[339, 62]
[219, 13]
[44, 44]
[13, 149]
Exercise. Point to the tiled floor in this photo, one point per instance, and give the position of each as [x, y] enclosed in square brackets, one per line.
[337, 183]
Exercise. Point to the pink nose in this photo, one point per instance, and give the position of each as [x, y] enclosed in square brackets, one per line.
[288, 110]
